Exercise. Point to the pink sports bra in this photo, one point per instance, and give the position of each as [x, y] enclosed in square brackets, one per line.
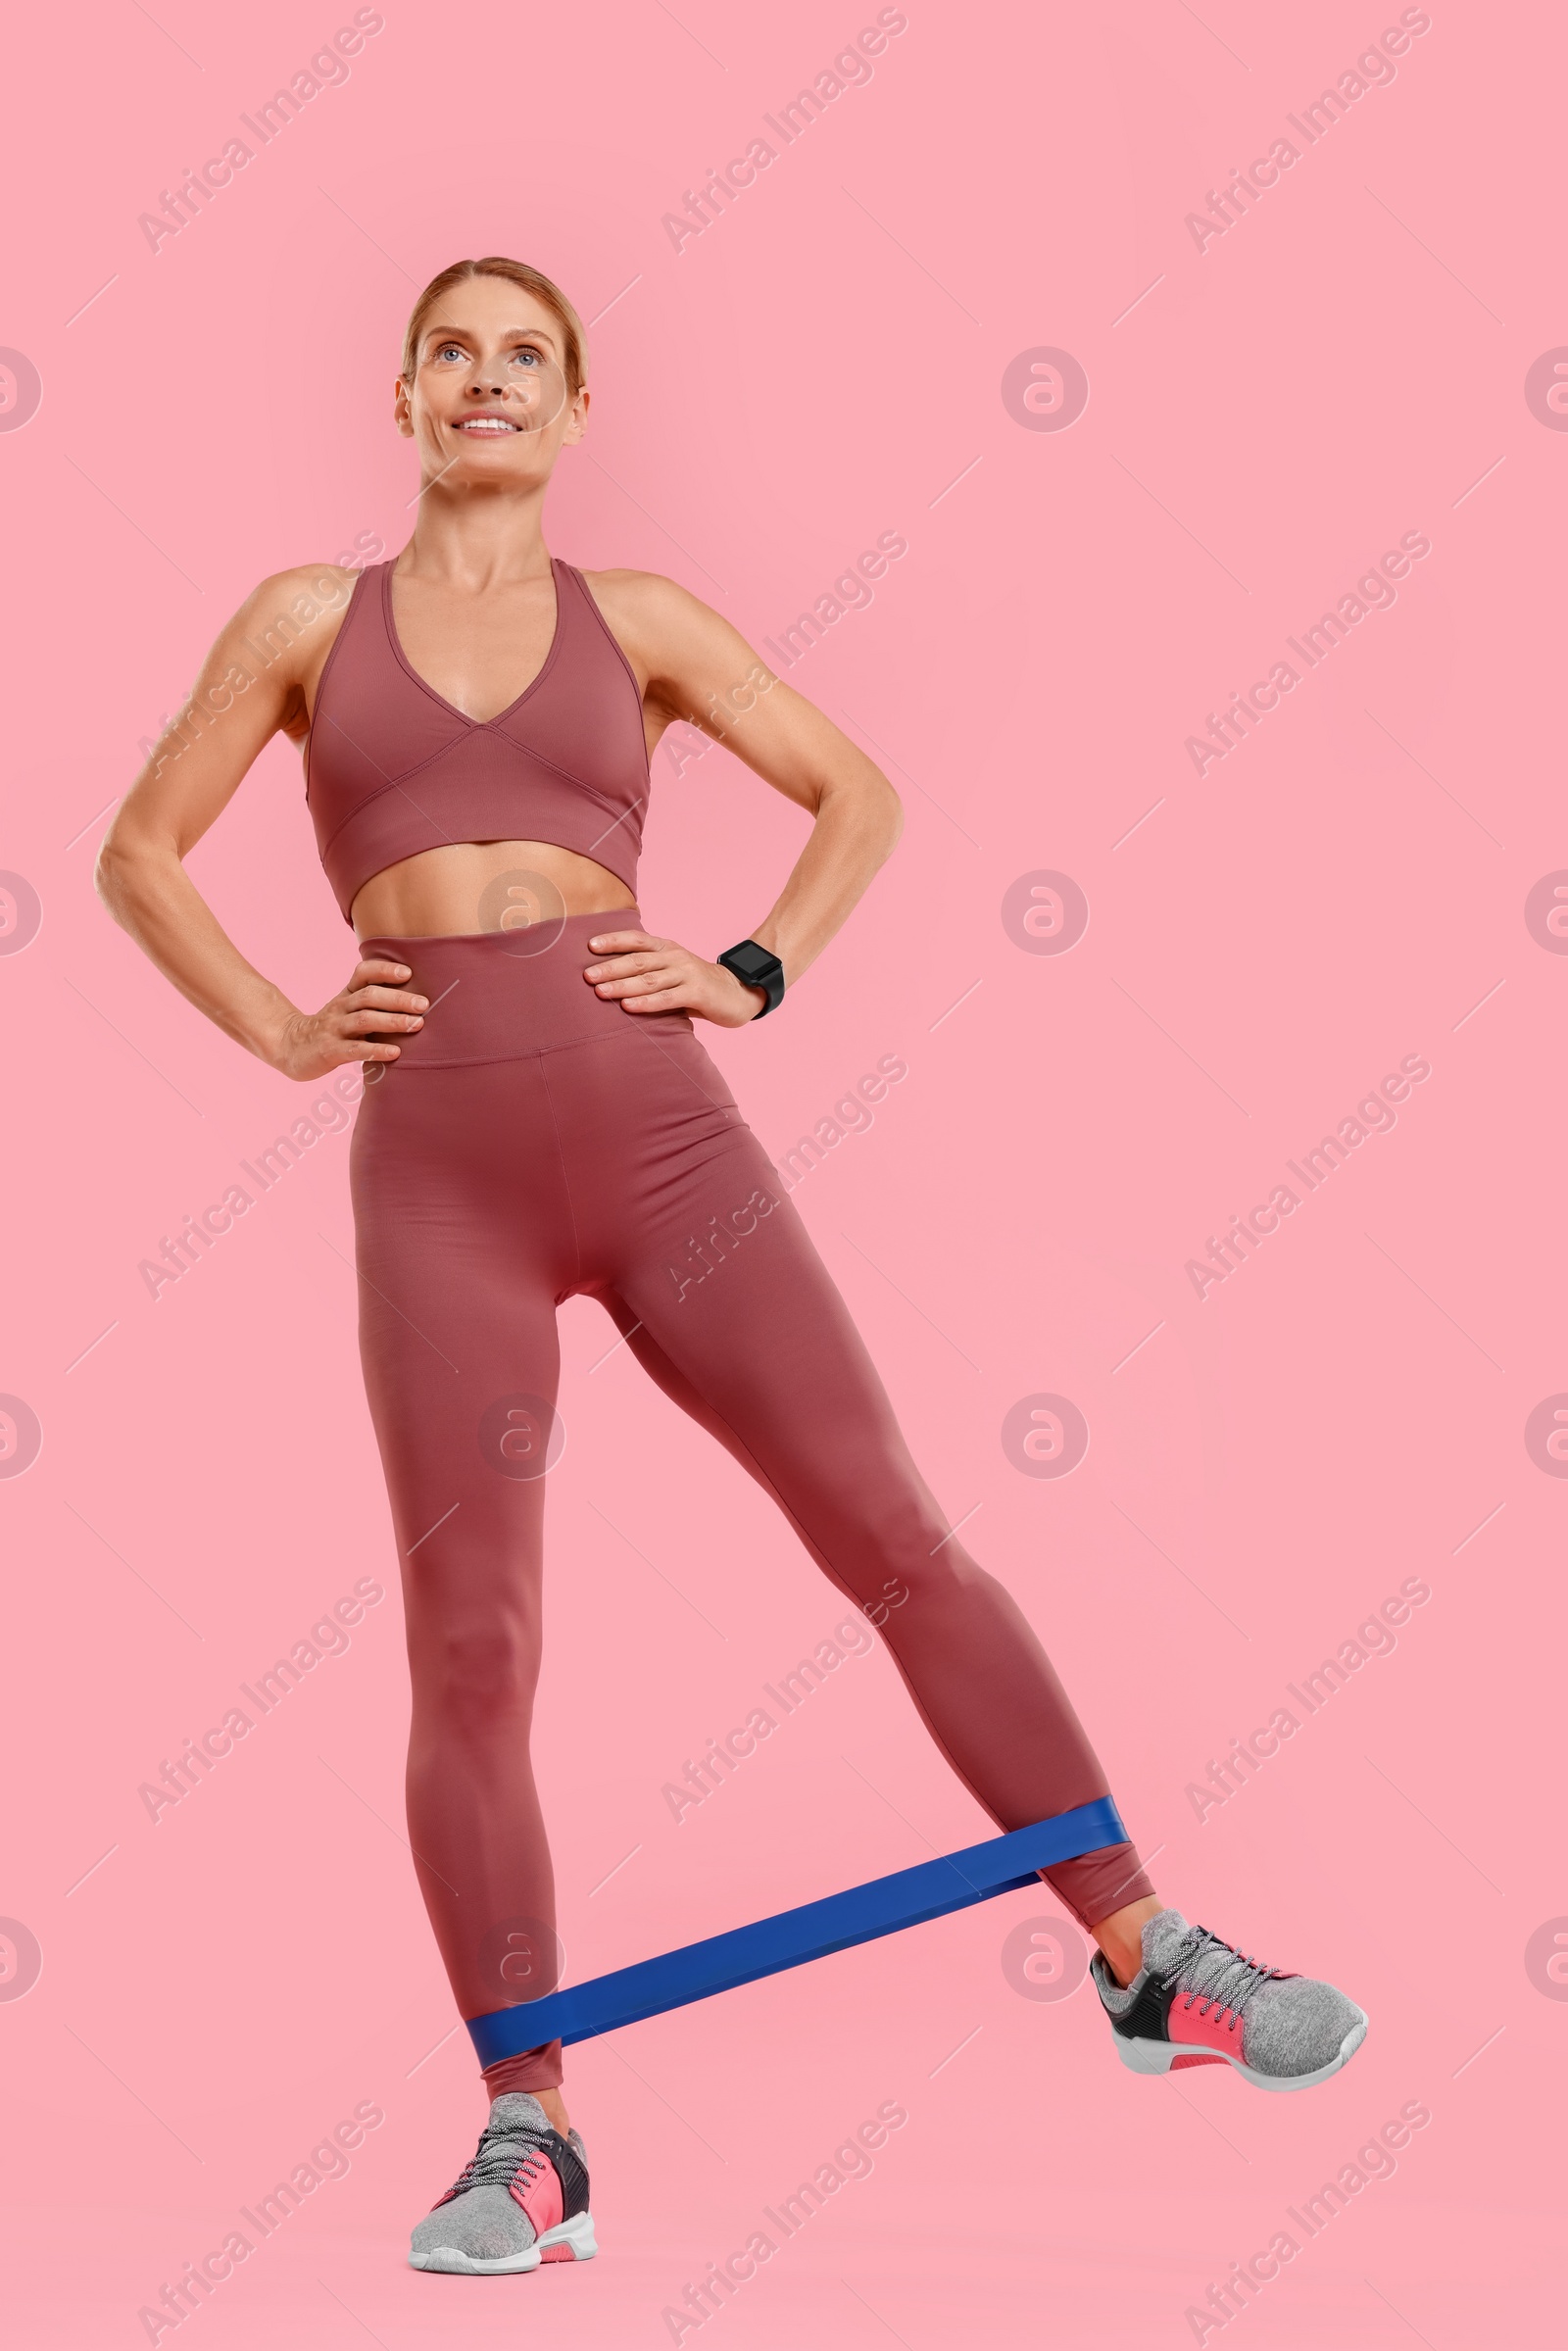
[394, 768]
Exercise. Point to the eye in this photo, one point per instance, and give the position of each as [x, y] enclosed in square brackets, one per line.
[448, 350]
[527, 352]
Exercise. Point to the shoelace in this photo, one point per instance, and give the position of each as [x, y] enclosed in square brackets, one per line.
[1216, 1975]
[500, 2158]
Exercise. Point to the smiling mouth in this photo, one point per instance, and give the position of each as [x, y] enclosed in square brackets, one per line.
[479, 426]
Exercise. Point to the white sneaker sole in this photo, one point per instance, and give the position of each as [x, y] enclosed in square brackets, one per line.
[576, 2236]
[1159, 2056]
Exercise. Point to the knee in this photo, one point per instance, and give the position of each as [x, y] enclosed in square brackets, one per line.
[476, 1671]
[924, 1582]
[915, 1592]
[889, 1554]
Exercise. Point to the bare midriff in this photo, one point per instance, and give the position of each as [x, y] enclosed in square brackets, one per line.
[464, 887]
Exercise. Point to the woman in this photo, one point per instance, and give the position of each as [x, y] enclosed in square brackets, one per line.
[540, 1120]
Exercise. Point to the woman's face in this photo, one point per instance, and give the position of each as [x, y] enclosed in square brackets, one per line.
[488, 405]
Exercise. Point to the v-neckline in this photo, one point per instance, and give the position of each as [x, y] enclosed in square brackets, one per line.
[424, 683]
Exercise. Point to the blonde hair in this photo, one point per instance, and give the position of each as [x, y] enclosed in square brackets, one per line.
[518, 273]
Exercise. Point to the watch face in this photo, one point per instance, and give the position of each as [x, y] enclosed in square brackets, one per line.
[753, 960]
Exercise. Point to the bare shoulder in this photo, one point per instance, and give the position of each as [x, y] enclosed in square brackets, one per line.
[655, 618]
[645, 598]
[288, 625]
[301, 595]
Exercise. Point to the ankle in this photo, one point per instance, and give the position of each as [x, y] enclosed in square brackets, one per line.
[555, 2109]
[1121, 1937]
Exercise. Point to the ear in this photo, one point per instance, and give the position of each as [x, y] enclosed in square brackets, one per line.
[402, 416]
[577, 423]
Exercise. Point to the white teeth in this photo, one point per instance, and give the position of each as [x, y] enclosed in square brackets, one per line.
[487, 424]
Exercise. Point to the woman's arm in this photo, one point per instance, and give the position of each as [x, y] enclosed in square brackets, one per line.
[698, 669]
[252, 685]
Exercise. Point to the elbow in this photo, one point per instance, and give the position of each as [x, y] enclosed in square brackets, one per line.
[119, 869]
[109, 874]
[867, 811]
[103, 876]
[893, 822]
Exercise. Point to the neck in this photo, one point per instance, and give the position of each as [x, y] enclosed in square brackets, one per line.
[479, 539]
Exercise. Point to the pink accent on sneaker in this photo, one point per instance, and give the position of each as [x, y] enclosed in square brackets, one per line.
[1204, 2025]
[1177, 2062]
[559, 2253]
[537, 2188]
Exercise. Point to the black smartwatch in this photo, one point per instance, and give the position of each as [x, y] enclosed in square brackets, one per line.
[755, 968]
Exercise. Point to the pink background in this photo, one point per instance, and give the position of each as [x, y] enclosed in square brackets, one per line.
[1345, 365]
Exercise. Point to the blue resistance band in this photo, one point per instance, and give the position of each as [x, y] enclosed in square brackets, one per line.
[885, 1905]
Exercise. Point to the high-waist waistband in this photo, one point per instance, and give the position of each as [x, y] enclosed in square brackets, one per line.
[497, 994]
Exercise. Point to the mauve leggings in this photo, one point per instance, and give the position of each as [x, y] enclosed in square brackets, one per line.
[534, 1141]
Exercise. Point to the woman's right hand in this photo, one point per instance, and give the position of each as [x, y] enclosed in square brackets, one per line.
[313, 1042]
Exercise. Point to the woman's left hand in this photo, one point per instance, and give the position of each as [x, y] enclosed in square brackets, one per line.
[656, 975]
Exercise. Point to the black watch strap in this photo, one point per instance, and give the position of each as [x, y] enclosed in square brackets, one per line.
[755, 968]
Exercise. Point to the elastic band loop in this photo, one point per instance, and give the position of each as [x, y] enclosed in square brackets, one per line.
[883, 1906]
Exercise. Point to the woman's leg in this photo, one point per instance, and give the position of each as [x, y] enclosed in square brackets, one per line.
[728, 1306]
[464, 1243]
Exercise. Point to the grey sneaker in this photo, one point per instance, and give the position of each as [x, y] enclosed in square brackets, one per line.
[522, 2200]
[1197, 2002]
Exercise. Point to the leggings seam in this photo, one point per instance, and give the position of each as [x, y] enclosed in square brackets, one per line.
[560, 1162]
[539, 1052]
[690, 1080]
[528, 1052]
